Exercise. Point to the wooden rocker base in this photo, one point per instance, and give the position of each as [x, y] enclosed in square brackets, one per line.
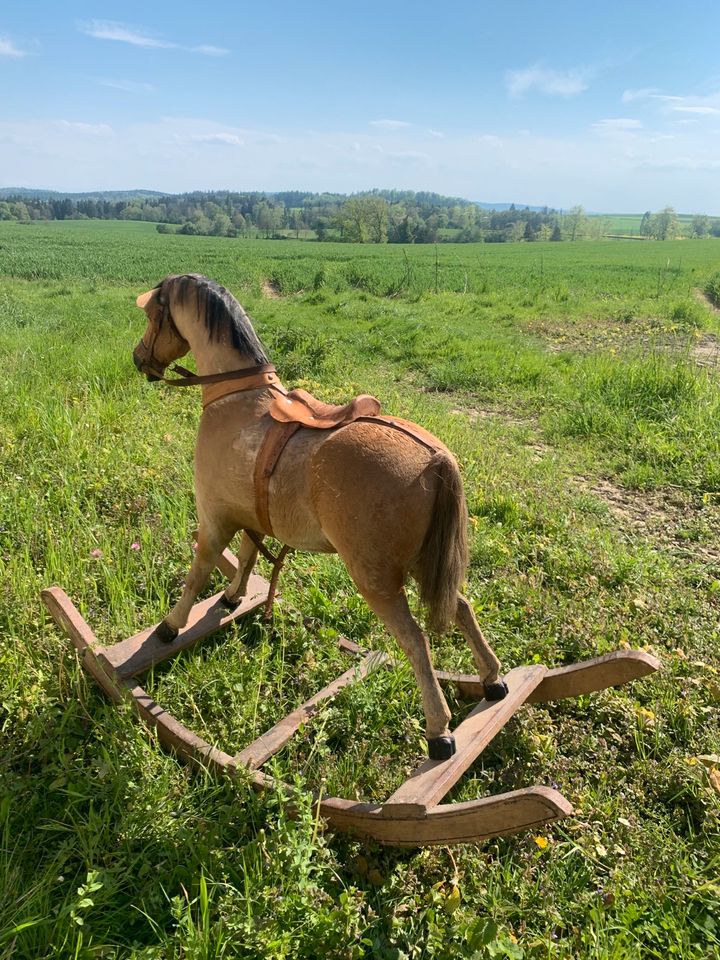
[413, 816]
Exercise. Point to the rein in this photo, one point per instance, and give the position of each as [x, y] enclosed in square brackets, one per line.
[218, 385]
[189, 379]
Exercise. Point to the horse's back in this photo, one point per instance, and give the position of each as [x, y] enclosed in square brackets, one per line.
[374, 489]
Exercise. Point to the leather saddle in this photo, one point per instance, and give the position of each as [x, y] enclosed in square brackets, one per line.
[291, 412]
[299, 406]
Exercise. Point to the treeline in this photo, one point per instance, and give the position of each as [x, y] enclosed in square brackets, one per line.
[664, 225]
[378, 216]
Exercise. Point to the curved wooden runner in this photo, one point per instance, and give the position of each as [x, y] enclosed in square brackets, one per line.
[413, 816]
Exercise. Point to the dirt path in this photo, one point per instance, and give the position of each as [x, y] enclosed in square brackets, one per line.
[705, 300]
[270, 290]
[686, 525]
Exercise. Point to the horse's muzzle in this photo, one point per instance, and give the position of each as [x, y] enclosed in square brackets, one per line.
[140, 360]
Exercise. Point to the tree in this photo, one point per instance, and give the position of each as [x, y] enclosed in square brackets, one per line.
[297, 222]
[556, 233]
[700, 226]
[353, 220]
[222, 225]
[262, 215]
[645, 224]
[664, 224]
[376, 216]
[576, 221]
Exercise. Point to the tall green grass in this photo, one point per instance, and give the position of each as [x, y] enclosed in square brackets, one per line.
[110, 848]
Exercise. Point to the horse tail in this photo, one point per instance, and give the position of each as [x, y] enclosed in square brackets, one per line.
[443, 560]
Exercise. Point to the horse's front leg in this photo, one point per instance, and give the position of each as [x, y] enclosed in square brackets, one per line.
[247, 555]
[212, 540]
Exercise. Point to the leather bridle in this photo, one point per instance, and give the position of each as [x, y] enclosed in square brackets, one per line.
[246, 378]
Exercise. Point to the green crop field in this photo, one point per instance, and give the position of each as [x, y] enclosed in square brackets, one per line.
[579, 386]
[628, 224]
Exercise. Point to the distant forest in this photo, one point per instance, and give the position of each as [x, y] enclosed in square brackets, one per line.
[378, 216]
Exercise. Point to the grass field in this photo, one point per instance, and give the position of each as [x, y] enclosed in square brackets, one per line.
[628, 224]
[579, 385]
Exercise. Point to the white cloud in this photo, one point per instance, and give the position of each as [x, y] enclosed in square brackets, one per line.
[490, 139]
[701, 106]
[560, 83]
[113, 30]
[616, 125]
[709, 111]
[92, 129]
[208, 50]
[435, 133]
[631, 170]
[226, 139]
[682, 164]
[644, 93]
[390, 124]
[138, 37]
[8, 49]
[129, 86]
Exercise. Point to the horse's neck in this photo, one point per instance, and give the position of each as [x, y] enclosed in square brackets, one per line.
[212, 357]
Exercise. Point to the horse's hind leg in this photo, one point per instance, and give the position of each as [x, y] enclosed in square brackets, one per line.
[487, 663]
[247, 555]
[212, 540]
[395, 614]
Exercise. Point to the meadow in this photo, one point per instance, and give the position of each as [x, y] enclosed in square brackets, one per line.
[579, 386]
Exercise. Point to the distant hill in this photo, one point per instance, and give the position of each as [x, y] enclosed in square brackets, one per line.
[112, 195]
[509, 206]
[290, 197]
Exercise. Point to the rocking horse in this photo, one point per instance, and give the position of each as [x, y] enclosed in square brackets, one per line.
[387, 497]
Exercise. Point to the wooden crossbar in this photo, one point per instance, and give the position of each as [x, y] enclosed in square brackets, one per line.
[433, 778]
[274, 739]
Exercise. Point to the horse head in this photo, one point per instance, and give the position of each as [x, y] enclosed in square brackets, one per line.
[162, 342]
[190, 312]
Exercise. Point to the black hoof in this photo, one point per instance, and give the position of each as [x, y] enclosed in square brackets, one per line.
[165, 632]
[496, 691]
[441, 748]
[227, 602]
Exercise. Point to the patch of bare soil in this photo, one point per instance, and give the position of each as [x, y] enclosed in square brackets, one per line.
[621, 333]
[270, 290]
[474, 414]
[706, 352]
[488, 413]
[684, 524]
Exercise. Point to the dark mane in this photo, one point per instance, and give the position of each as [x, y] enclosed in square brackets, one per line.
[223, 315]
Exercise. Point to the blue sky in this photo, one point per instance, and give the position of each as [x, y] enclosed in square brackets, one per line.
[615, 107]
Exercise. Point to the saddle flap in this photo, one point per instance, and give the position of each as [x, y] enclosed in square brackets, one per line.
[301, 407]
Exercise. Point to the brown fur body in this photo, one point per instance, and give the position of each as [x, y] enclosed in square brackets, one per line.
[388, 505]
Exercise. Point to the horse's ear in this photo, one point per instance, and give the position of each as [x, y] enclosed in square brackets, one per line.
[144, 298]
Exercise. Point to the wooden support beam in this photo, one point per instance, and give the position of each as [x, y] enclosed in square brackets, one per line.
[433, 778]
[89, 648]
[468, 822]
[274, 739]
[143, 650]
[176, 737]
[588, 676]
